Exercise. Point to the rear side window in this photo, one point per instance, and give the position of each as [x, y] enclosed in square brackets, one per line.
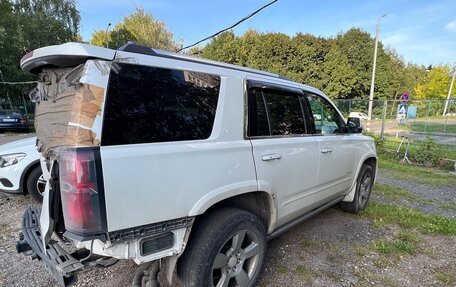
[148, 104]
[275, 113]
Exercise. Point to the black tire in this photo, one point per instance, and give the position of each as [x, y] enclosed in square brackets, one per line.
[364, 184]
[34, 185]
[213, 254]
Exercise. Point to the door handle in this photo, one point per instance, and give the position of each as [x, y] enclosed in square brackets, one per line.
[271, 156]
[326, 150]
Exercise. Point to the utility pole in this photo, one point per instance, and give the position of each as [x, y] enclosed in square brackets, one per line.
[450, 90]
[371, 94]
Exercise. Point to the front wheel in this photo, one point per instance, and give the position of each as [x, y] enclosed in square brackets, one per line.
[227, 248]
[363, 190]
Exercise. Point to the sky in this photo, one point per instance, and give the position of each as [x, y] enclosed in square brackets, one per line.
[423, 32]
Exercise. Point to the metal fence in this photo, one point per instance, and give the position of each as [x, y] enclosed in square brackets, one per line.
[419, 117]
[24, 105]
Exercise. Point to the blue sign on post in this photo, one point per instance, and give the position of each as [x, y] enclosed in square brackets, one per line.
[401, 113]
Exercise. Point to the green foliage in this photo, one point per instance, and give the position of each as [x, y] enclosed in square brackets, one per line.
[26, 25]
[435, 84]
[405, 242]
[140, 27]
[340, 66]
[429, 154]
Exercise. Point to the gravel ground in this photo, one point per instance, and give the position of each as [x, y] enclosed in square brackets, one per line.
[331, 249]
[430, 199]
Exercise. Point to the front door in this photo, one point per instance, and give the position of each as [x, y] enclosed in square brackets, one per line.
[335, 148]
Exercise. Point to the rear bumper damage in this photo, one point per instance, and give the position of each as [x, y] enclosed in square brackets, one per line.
[60, 264]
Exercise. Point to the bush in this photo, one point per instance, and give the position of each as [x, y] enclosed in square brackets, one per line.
[428, 153]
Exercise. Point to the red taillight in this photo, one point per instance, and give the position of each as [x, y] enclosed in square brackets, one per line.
[80, 191]
[23, 120]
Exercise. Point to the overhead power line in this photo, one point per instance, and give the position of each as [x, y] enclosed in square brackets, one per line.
[18, 83]
[231, 27]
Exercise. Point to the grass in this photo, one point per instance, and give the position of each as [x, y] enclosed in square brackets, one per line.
[431, 127]
[383, 214]
[396, 193]
[308, 243]
[404, 243]
[303, 272]
[282, 269]
[447, 206]
[395, 169]
[449, 279]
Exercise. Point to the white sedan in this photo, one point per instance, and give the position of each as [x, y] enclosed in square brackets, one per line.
[360, 115]
[20, 170]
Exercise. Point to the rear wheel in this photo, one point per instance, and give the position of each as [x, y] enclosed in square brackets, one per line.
[363, 190]
[226, 248]
[36, 184]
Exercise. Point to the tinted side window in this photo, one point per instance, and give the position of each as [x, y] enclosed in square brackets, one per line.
[258, 117]
[273, 112]
[326, 118]
[148, 104]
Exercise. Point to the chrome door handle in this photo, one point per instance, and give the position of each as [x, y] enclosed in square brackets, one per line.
[271, 156]
[326, 150]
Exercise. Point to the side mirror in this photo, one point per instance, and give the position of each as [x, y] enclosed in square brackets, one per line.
[354, 125]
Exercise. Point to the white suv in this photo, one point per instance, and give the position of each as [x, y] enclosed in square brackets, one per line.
[164, 158]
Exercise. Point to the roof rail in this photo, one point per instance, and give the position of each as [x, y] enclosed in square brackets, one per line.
[135, 48]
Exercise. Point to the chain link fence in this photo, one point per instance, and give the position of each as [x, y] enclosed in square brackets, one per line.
[25, 106]
[411, 117]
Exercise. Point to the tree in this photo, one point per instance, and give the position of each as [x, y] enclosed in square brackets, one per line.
[224, 48]
[339, 77]
[26, 25]
[140, 27]
[435, 84]
[358, 46]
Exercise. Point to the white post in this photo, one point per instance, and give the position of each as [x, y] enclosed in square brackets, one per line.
[449, 91]
[371, 94]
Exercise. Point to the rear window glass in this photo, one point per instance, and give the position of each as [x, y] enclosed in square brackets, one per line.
[148, 104]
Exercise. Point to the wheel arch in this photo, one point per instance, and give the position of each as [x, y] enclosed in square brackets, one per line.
[259, 203]
[367, 159]
[25, 174]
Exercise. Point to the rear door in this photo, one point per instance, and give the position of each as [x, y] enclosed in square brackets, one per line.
[335, 148]
[286, 157]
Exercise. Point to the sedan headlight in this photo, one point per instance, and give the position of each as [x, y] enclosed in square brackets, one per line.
[11, 159]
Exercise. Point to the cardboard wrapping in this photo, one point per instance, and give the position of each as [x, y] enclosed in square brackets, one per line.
[68, 119]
